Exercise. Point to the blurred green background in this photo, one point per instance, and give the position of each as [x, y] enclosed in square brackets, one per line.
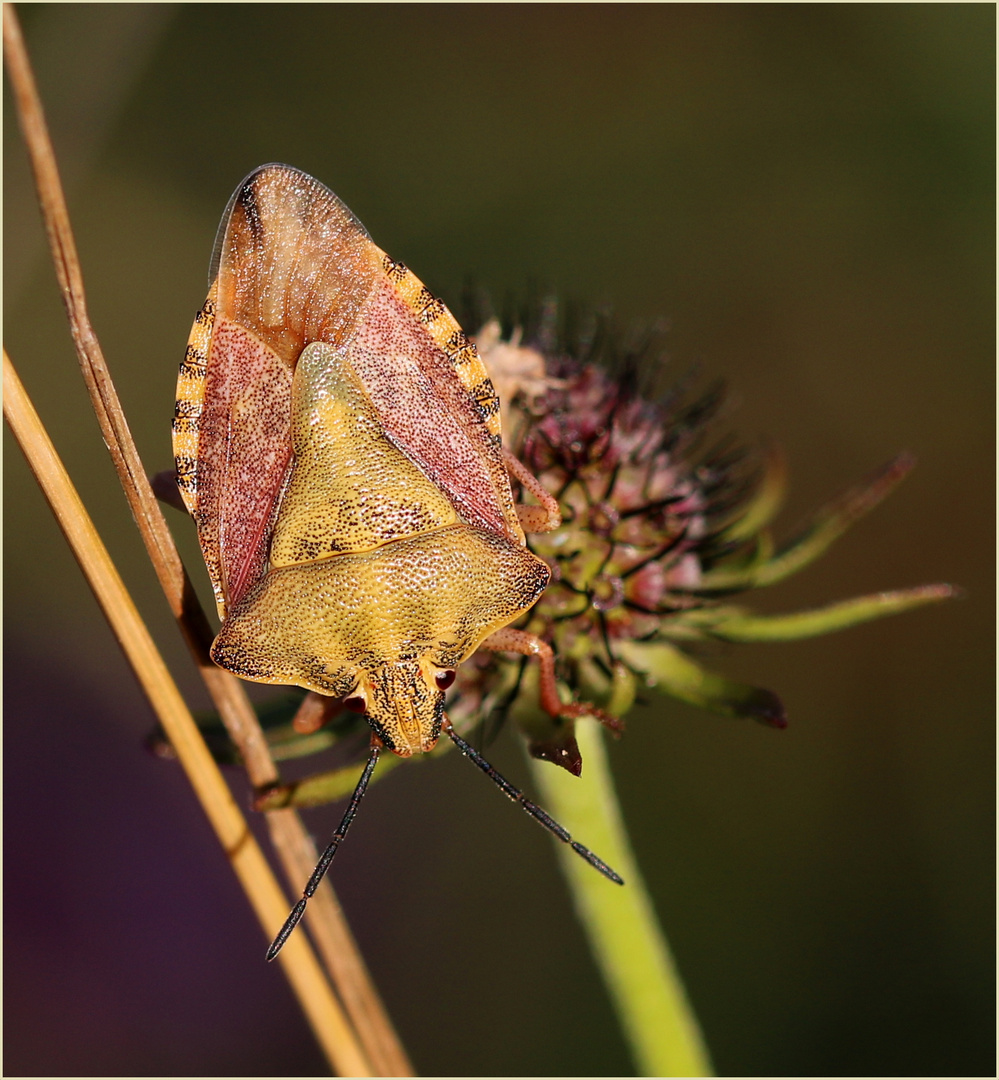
[807, 194]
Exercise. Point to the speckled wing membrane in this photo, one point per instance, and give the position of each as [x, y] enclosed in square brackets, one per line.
[293, 266]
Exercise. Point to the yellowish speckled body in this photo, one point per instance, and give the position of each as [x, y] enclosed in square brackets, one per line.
[338, 443]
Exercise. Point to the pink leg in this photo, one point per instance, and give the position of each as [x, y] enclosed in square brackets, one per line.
[535, 519]
[315, 711]
[519, 641]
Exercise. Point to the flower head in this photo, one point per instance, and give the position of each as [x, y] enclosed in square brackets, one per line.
[659, 529]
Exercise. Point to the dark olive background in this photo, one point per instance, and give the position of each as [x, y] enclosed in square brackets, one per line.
[806, 193]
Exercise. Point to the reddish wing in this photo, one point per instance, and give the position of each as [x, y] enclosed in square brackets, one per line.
[284, 242]
[295, 266]
[244, 450]
[426, 410]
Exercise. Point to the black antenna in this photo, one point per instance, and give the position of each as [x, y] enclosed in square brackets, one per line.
[532, 808]
[327, 856]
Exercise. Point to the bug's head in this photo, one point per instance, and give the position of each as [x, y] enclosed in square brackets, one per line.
[404, 703]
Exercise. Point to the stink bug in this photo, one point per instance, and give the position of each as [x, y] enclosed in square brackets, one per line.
[337, 441]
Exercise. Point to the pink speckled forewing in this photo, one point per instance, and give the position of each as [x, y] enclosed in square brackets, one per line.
[243, 455]
[294, 266]
[427, 412]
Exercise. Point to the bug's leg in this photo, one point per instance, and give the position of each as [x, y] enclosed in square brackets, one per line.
[532, 808]
[327, 856]
[533, 519]
[315, 711]
[165, 489]
[519, 641]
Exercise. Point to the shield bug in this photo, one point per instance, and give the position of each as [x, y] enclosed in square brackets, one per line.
[337, 441]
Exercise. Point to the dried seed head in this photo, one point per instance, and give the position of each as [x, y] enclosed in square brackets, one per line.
[658, 526]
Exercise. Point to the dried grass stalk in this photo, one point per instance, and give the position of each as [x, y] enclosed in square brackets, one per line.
[293, 844]
[302, 968]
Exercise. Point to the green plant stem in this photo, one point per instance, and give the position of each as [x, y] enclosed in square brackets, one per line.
[620, 921]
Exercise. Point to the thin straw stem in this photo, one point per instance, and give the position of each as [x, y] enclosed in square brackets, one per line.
[300, 964]
[294, 846]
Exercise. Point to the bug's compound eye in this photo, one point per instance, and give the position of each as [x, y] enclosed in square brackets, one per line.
[355, 703]
[444, 679]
